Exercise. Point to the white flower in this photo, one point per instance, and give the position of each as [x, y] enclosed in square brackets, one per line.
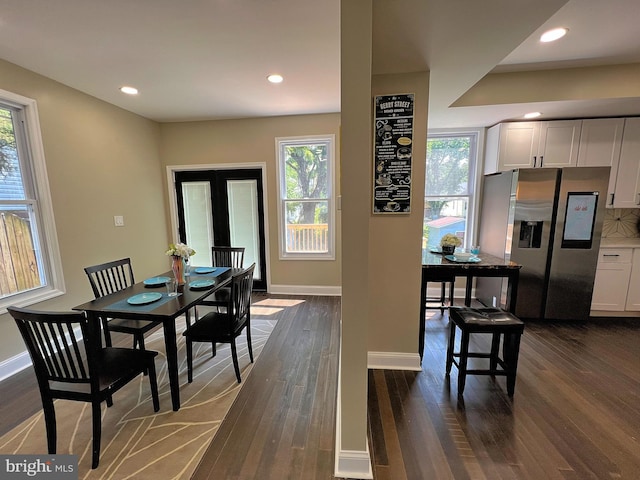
[180, 250]
[450, 240]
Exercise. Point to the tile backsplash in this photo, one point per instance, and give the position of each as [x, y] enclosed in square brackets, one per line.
[621, 223]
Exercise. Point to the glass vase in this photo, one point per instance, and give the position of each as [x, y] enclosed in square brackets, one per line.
[177, 265]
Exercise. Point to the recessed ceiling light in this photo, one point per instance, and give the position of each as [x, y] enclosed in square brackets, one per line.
[129, 90]
[552, 35]
[532, 115]
[275, 78]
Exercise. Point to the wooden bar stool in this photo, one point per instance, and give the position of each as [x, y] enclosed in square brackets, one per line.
[493, 321]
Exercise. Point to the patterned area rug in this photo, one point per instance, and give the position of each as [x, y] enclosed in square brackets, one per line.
[136, 442]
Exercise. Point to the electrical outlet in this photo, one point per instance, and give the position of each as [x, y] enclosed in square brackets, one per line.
[118, 221]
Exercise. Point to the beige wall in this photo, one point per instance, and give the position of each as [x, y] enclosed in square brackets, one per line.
[381, 253]
[101, 161]
[395, 248]
[253, 141]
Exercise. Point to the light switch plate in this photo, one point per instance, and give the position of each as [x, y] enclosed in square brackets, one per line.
[118, 221]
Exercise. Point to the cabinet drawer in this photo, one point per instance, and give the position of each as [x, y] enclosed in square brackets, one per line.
[615, 255]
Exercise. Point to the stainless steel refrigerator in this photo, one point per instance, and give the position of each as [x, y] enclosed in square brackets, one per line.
[549, 220]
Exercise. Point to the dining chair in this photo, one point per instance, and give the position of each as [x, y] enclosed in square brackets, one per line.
[111, 277]
[224, 327]
[71, 365]
[222, 257]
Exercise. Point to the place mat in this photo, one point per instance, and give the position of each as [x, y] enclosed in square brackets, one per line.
[124, 305]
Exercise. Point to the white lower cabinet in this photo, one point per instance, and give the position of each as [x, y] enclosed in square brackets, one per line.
[612, 280]
[633, 295]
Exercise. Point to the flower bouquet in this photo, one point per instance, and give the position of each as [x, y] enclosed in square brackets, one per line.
[449, 242]
[180, 253]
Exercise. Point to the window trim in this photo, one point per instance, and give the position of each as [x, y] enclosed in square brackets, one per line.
[280, 142]
[44, 209]
[475, 176]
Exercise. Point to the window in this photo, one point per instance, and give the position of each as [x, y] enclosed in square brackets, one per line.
[305, 184]
[449, 187]
[29, 258]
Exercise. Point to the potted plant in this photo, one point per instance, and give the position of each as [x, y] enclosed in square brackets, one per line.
[449, 242]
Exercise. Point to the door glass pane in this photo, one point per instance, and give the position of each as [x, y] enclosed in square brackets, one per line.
[198, 220]
[243, 220]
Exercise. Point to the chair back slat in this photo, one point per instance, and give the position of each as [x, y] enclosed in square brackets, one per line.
[54, 343]
[228, 257]
[241, 285]
[110, 277]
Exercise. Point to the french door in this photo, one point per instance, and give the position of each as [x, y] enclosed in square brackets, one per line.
[223, 207]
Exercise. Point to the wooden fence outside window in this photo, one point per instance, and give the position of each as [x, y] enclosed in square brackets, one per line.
[18, 265]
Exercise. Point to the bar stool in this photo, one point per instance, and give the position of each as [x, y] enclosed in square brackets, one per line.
[496, 322]
[443, 280]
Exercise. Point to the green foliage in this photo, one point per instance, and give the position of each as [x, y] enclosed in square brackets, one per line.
[7, 142]
[306, 179]
[447, 169]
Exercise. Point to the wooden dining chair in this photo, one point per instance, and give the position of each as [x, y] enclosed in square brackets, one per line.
[224, 327]
[222, 257]
[111, 277]
[71, 365]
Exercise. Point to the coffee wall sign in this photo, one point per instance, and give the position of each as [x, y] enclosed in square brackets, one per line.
[393, 124]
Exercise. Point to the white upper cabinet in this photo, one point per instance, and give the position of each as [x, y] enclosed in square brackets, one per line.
[627, 187]
[532, 145]
[600, 145]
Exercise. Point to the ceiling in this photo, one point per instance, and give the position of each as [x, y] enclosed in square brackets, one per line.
[209, 59]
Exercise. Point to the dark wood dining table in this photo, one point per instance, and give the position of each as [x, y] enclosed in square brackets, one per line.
[165, 310]
[435, 266]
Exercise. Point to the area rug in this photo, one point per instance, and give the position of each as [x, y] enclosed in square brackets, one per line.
[136, 442]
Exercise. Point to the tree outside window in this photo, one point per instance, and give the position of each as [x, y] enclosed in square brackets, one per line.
[306, 173]
[448, 187]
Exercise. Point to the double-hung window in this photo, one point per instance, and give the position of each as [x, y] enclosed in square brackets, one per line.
[449, 187]
[306, 206]
[29, 260]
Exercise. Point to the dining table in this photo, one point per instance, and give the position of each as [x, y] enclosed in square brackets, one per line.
[436, 265]
[135, 303]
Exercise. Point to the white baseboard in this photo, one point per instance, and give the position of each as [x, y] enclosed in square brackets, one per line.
[349, 463]
[331, 291]
[393, 361]
[13, 365]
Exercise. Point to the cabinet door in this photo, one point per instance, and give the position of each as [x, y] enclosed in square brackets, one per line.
[627, 193]
[600, 144]
[633, 296]
[518, 145]
[612, 279]
[559, 142]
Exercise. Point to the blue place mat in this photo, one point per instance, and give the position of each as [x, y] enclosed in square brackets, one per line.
[124, 305]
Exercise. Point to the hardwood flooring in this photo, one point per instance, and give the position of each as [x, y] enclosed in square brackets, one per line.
[575, 413]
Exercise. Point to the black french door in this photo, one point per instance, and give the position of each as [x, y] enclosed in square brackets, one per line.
[223, 207]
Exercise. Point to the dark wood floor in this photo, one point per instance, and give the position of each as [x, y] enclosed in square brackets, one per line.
[282, 423]
[575, 413]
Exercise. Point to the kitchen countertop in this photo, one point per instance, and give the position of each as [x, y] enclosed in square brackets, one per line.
[620, 242]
